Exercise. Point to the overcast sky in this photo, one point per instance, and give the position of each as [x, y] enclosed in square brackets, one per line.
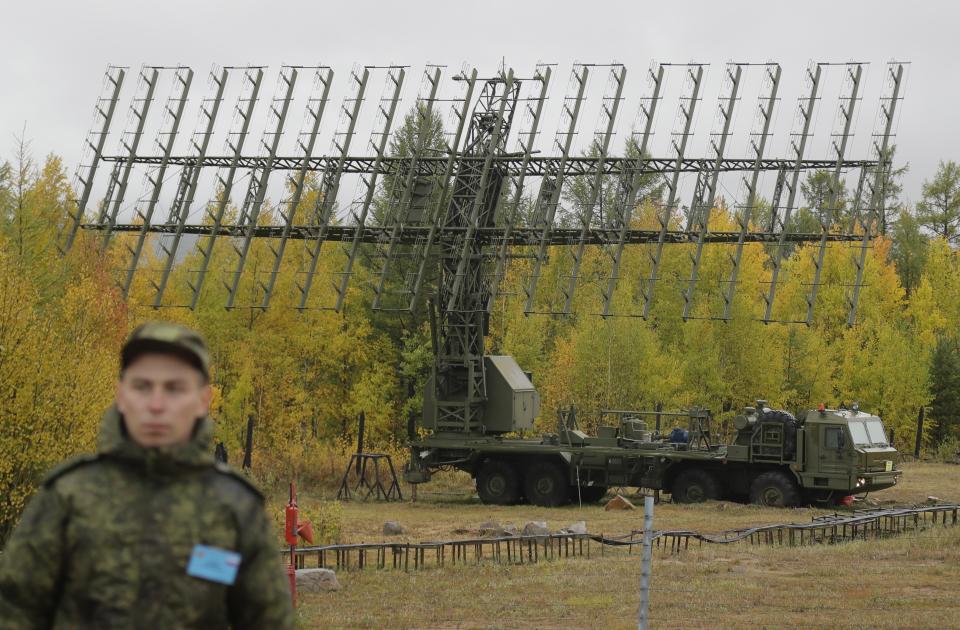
[55, 52]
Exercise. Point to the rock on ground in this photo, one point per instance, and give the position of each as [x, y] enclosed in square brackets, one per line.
[393, 528]
[316, 580]
[580, 527]
[536, 528]
[619, 502]
[493, 529]
[489, 528]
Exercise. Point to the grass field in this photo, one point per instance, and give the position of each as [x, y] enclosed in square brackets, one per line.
[909, 582]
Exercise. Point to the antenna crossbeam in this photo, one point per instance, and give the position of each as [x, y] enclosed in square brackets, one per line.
[520, 236]
[510, 165]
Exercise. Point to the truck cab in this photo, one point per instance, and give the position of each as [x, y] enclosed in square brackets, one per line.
[820, 455]
[846, 451]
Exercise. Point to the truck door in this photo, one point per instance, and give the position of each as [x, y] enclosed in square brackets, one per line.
[833, 445]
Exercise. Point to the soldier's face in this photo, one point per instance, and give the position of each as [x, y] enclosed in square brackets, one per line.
[161, 397]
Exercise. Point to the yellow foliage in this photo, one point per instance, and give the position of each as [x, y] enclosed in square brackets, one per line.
[58, 360]
[304, 376]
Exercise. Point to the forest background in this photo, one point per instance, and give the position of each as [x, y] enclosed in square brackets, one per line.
[305, 376]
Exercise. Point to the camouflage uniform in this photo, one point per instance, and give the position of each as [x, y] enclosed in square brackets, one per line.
[106, 541]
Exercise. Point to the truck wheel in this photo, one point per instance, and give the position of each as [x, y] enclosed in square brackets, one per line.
[498, 483]
[546, 485]
[775, 489]
[694, 486]
[587, 494]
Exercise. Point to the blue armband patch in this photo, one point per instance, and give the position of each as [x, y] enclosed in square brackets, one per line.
[213, 564]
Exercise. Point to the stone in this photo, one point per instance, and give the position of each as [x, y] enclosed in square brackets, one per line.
[493, 529]
[489, 528]
[619, 502]
[511, 530]
[536, 528]
[580, 527]
[316, 580]
[393, 528]
[932, 499]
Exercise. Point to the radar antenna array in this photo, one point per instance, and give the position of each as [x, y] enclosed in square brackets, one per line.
[445, 210]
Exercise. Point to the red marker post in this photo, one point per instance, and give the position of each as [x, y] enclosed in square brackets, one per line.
[294, 530]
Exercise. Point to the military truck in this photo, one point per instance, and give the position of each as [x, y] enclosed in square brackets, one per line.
[775, 458]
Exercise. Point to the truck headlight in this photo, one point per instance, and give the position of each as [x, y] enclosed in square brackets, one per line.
[861, 481]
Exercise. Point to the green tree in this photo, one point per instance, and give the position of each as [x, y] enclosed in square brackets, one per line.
[945, 390]
[419, 134]
[939, 210]
[6, 192]
[61, 323]
[580, 189]
[816, 191]
[942, 272]
[890, 188]
[909, 250]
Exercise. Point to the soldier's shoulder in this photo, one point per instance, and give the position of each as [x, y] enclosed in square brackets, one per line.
[238, 481]
[70, 466]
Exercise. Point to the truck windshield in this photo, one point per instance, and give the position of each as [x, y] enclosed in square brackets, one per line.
[875, 431]
[859, 433]
[867, 433]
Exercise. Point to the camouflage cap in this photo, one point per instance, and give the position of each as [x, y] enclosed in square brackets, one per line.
[167, 338]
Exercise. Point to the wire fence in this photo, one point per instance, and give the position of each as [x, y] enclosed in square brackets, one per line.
[530, 549]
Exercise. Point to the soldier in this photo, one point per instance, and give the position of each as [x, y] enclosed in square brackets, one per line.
[150, 532]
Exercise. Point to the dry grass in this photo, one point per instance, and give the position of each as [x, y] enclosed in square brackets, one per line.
[905, 582]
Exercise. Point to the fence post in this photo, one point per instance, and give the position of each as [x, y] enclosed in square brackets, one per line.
[248, 446]
[916, 448]
[643, 622]
[361, 424]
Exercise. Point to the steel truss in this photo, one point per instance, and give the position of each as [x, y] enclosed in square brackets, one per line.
[445, 217]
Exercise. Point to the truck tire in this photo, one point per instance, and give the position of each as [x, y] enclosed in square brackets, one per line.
[694, 486]
[774, 488]
[545, 485]
[587, 494]
[498, 483]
